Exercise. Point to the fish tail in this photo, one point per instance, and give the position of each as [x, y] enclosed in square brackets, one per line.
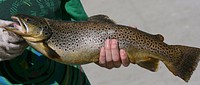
[185, 62]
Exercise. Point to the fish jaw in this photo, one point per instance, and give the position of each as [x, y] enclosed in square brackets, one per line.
[17, 27]
[19, 24]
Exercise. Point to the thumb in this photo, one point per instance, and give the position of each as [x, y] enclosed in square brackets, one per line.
[9, 37]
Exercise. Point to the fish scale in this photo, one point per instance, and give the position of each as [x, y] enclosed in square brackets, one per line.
[80, 42]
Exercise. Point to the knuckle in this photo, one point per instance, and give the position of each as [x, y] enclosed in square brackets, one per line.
[102, 61]
[102, 65]
[109, 66]
[117, 64]
[126, 64]
[109, 61]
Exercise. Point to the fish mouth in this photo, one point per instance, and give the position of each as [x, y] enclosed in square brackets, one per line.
[18, 26]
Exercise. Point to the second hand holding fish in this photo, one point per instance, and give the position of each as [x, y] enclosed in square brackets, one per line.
[111, 56]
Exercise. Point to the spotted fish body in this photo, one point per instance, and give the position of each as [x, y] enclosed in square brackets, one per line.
[80, 42]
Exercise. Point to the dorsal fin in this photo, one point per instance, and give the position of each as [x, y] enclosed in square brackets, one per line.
[101, 18]
[159, 37]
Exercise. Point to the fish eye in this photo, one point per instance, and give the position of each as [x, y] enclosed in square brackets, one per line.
[45, 27]
[27, 19]
[46, 33]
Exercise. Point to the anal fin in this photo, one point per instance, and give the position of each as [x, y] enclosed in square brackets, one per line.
[143, 59]
[151, 64]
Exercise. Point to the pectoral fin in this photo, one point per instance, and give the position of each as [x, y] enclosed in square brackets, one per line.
[44, 49]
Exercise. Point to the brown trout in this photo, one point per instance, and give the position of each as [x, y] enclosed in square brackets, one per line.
[79, 43]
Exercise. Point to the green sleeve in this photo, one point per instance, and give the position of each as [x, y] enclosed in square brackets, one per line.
[32, 67]
[74, 10]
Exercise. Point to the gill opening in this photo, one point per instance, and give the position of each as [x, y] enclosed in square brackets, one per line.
[24, 25]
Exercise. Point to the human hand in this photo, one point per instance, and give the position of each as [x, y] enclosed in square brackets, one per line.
[111, 56]
[11, 45]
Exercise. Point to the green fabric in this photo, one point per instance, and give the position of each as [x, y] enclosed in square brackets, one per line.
[44, 8]
[31, 67]
[75, 9]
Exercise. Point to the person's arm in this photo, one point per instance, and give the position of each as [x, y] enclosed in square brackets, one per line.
[11, 45]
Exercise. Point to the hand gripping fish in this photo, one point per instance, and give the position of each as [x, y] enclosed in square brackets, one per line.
[79, 43]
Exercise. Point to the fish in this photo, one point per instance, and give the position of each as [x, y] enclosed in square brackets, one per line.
[79, 42]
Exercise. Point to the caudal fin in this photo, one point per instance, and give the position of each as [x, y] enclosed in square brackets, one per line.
[187, 62]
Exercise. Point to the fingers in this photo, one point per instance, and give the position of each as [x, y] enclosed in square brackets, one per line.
[109, 61]
[115, 53]
[124, 58]
[111, 56]
[102, 57]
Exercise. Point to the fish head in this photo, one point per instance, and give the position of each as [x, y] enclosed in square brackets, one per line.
[31, 28]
